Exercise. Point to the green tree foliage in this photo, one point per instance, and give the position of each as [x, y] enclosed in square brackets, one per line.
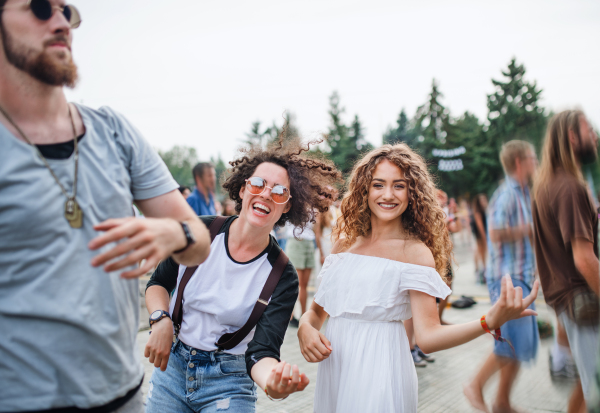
[262, 138]
[181, 160]
[401, 133]
[220, 170]
[514, 111]
[346, 143]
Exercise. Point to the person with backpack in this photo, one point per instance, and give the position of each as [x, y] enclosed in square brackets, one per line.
[230, 313]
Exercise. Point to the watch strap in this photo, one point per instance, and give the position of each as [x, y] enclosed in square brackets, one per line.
[188, 237]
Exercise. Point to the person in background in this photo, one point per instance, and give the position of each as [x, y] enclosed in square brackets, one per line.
[228, 207]
[511, 254]
[69, 241]
[202, 198]
[300, 247]
[566, 243]
[452, 227]
[185, 191]
[479, 229]
[323, 229]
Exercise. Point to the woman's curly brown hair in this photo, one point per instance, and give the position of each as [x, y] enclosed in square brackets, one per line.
[423, 219]
[312, 180]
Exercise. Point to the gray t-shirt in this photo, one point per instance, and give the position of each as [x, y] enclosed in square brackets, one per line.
[68, 330]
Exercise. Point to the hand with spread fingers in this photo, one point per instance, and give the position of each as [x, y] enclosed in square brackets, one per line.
[150, 239]
[284, 380]
[313, 344]
[511, 304]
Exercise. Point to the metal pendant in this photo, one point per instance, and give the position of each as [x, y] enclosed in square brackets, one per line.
[73, 213]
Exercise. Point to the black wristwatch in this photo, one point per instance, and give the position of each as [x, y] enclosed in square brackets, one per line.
[158, 315]
[188, 236]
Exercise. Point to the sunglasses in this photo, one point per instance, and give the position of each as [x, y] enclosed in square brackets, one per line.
[43, 10]
[257, 185]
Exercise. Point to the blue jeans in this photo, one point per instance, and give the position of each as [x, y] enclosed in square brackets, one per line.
[201, 381]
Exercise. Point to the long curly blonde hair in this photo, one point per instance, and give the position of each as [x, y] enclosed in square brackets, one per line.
[423, 219]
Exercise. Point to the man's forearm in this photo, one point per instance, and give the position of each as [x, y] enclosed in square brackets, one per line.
[509, 234]
[587, 263]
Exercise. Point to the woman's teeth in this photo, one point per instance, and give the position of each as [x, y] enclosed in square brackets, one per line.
[261, 209]
[388, 206]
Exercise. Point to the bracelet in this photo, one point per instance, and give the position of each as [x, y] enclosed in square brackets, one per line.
[496, 334]
[275, 400]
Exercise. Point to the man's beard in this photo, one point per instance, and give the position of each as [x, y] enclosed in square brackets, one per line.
[40, 65]
[587, 154]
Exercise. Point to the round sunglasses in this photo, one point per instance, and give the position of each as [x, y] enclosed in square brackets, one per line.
[44, 10]
[257, 185]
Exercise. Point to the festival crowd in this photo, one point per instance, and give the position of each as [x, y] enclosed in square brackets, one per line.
[227, 275]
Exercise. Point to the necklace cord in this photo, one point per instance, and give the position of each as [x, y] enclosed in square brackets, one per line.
[76, 152]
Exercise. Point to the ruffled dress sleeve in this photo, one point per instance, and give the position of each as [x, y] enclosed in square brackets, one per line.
[357, 284]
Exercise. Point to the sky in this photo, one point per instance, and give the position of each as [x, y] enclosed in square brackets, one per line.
[198, 73]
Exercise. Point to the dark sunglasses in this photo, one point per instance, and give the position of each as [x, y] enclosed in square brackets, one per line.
[257, 185]
[43, 10]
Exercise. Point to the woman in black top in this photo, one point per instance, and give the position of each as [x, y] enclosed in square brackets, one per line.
[192, 374]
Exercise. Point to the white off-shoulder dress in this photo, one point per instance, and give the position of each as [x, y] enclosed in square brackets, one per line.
[370, 368]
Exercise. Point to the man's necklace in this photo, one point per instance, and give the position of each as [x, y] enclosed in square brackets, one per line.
[73, 212]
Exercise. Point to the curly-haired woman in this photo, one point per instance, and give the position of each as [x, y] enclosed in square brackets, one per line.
[269, 187]
[387, 265]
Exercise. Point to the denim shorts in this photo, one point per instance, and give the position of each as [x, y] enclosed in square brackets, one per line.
[301, 253]
[583, 341]
[201, 381]
[522, 332]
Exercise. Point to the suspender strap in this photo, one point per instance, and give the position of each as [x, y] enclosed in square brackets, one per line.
[177, 315]
[230, 340]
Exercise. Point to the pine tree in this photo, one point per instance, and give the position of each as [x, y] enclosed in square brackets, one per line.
[401, 133]
[430, 126]
[514, 112]
[345, 143]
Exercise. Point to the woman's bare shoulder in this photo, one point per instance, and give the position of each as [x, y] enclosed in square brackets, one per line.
[338, 247]
[416, 252]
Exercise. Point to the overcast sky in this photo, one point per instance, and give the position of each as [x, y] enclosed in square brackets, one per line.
[198, 73]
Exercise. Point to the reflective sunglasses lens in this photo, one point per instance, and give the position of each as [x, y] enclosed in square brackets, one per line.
[72, 15]
[280, 194]
[42, 9]
[256, 185]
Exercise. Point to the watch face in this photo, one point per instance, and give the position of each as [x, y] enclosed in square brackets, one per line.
[155, 315]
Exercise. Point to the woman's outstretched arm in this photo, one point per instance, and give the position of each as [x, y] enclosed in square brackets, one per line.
[432, 336]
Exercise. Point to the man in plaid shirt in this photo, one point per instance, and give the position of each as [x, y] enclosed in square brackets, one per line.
[510, 254]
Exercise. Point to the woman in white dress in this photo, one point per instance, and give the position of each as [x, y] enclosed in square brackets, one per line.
[387, 265]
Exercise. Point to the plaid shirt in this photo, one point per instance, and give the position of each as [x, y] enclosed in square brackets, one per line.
[510, 207]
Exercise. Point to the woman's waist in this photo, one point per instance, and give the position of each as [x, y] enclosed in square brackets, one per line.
[362, 318]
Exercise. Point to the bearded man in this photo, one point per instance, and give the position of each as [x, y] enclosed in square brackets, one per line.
[566, 242]
[69, 244]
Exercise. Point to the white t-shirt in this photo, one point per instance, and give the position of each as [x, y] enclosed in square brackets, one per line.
[220, 296]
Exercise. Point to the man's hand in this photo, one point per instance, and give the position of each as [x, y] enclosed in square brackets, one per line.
[150, 239]
[511, 304]
[281, 384]
[158, 348]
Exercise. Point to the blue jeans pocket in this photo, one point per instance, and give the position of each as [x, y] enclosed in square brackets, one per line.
[234, 366]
